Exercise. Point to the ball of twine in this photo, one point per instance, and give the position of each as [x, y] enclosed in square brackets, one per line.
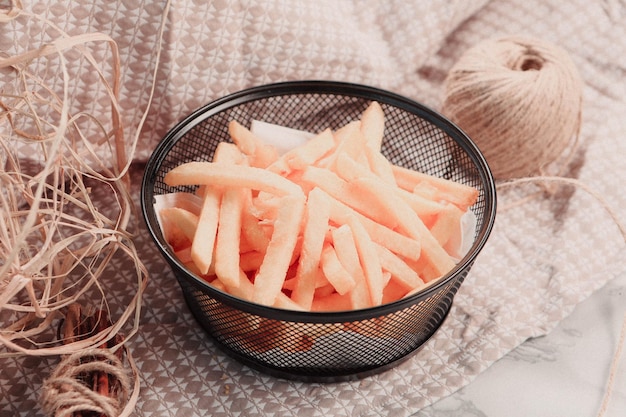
[66, 392]
[519, 99]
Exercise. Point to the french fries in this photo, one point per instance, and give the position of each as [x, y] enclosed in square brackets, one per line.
[314, 234]
[227, 175]
[269, 280]
[203, 243]
[328, 225]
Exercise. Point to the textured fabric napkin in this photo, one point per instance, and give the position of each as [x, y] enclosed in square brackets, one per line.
[547, 252]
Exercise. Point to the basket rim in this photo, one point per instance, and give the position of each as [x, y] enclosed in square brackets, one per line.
[305, 87]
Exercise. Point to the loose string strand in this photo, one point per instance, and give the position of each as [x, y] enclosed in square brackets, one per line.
[608, 391]
[541, 180]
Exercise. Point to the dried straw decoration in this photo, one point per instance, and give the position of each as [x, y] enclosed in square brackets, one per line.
[65, 216]
[56, 239]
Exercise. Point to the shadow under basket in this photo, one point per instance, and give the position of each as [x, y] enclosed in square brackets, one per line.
[333, 346]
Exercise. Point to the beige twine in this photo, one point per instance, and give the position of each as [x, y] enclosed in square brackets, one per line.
[64, 393]
[613, 371]
[519, 99]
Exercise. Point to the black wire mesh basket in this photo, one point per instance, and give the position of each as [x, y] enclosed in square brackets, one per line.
[324, 346]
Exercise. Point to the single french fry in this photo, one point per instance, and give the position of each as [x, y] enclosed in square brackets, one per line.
[343, 242]
[321, 280]
[379, 165]
[425, 208]
[400, 271]
[373, 125]
[265, 206]
[312, 151]
[242, 137]
[326, 180]
[350, 141]
[314, 231]
[394, 291]
[184, 254]
[351, 131]
[191, 266]
[426, 268]
[434, 254]
[229, 236]
[348, 169]
[447, 224]
[297, 249]
[286, 303]
[251, 260]
[260, 153]
[289, 284]
[369, 260]
[332, 302]
[272, 272]
[324, 290]
[265, 155]
[206, 231]
[228, 153]
[254, 234]
[217, 284]
[183, 219]
[337, 275]
[425, 190]
[243, 288]
[200, 172]
[457, 193]
[175, 237]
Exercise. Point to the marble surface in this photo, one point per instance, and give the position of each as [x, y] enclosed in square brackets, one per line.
[564, 373]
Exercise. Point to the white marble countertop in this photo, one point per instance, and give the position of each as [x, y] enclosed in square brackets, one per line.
[564, 373]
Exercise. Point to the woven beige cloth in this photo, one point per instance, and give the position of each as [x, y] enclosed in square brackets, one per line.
[543, 258]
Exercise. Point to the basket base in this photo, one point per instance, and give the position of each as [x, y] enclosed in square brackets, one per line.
[316, 375]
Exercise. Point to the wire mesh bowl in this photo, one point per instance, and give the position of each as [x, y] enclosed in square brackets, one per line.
[323, 346]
